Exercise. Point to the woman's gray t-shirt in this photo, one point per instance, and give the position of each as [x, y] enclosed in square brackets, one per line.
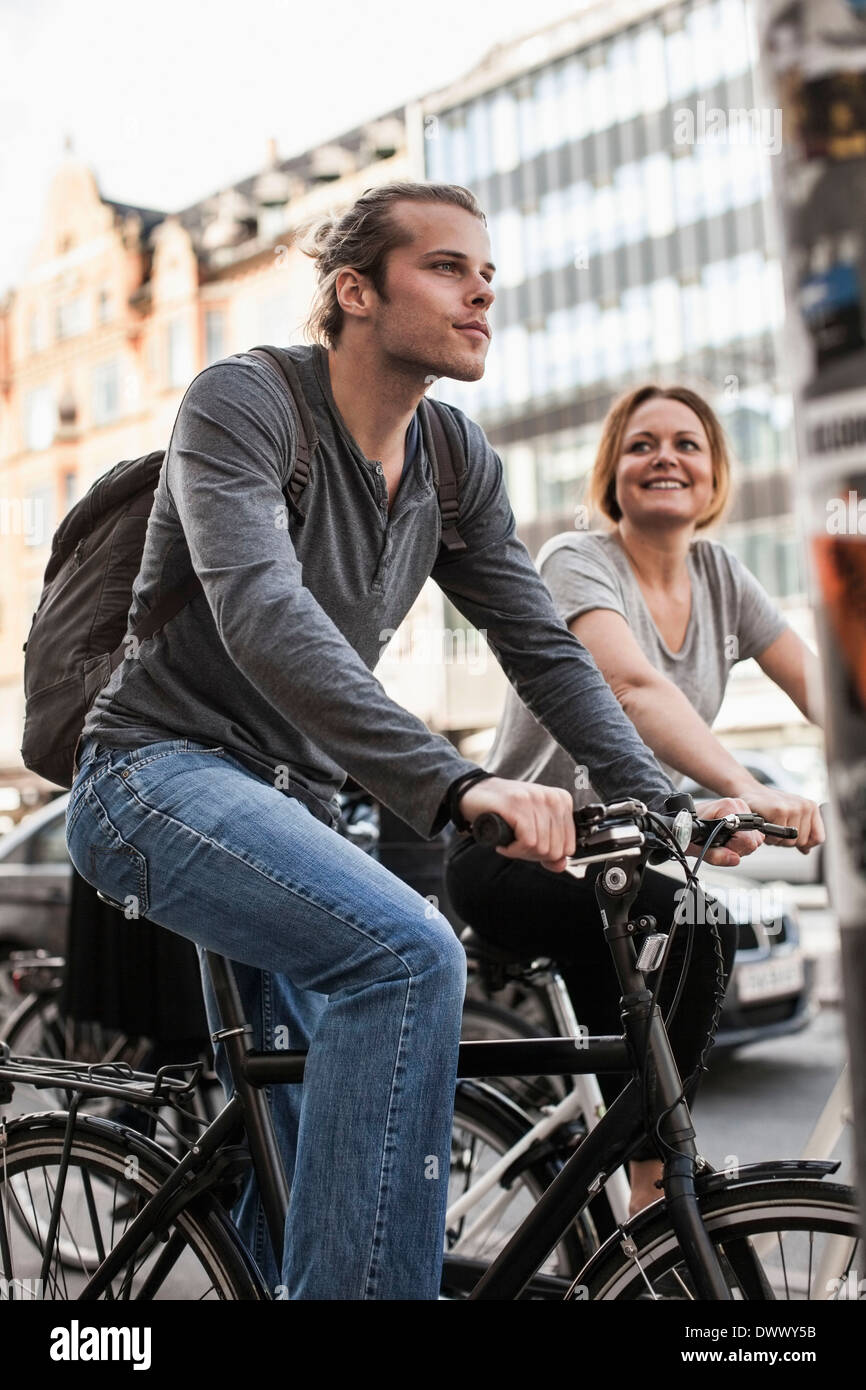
[732, 618]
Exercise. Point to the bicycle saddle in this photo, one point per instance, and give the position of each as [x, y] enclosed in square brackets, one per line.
[482, 950]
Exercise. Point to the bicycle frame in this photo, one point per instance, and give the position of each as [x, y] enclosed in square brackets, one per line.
[606, 1148]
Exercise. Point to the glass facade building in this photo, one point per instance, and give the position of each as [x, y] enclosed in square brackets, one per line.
[627, 188]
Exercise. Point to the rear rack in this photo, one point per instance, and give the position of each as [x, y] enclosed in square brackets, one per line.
[110, 1079]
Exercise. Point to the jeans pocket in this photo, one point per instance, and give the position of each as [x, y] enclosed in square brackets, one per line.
[86, 775]
[116, 868]
[125, 761]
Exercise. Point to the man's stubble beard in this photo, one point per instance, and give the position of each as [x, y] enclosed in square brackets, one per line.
[412, 356]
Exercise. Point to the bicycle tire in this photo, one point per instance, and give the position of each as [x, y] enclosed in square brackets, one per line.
[746, 1222]
[483, 1117]
[112, 1172]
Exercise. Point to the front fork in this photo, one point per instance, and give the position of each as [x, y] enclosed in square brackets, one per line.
[616, 888]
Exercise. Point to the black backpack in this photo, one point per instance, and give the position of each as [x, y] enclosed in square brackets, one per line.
[79, 631]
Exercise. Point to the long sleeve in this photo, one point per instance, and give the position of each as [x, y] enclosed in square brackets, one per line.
[495, 585]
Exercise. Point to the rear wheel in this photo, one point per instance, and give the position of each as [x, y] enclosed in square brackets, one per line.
[111, 1175]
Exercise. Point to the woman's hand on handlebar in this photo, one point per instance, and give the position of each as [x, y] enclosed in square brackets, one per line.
[783, 808]
[542, 818]
[743, 843]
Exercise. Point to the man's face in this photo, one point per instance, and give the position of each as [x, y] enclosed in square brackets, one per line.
[439, 293]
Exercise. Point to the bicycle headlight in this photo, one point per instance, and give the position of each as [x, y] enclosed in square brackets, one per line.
[682, 828]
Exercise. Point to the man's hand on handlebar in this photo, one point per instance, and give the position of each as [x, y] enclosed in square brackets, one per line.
[743, 843]
[542, 818]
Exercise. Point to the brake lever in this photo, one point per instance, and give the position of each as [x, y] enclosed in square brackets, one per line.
[734, 822]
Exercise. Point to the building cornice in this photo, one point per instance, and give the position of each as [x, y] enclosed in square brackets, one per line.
[540, 47]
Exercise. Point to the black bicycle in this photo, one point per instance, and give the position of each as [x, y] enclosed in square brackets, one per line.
[147, 1225]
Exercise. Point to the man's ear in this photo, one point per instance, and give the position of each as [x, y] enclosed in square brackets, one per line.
[354, 293]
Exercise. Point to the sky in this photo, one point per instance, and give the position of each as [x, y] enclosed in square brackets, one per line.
[170, 100]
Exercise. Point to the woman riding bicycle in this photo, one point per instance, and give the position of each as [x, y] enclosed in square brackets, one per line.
[666, 615]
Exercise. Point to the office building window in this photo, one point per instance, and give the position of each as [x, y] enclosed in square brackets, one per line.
[456, 151]
[598, 93]
[38, 517]
[178, 353]
[576, 113]
[515, 354]
[106, 392]
[791, 570]
[625, 79]
[546, 110]
[214, 335]
[649, 61]
[68, 488]
[71, 318]
[658, 181]
[734, 46]
[508, 249]
[479, 139]
[506, 148]
[40, 418]
[274, 318]
[35, 336]
[666, 320]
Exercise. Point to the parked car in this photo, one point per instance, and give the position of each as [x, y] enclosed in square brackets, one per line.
[771, 990]
[35, 879]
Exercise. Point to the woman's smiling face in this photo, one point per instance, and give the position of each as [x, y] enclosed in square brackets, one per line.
[664, 475]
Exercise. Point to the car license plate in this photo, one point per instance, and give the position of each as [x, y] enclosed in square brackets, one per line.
[769, 979]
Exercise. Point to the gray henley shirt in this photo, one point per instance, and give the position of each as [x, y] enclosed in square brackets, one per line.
[273, 660]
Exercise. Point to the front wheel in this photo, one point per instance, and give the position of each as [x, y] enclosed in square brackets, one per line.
[786, 1238]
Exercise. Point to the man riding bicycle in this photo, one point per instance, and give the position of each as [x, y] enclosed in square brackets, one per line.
[213, 756]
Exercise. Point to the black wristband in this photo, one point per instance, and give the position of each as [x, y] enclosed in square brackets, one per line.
[456, 790]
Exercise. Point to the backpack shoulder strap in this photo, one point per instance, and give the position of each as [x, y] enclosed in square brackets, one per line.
[284, 370]
[444, 449]
[171, 603]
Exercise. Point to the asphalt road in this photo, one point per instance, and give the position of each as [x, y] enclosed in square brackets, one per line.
[762, 1102]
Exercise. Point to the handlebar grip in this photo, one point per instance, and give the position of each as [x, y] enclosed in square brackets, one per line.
[779, 832]
[490, 829]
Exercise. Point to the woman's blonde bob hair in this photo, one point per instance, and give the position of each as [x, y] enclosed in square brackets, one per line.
[361, 239]
[601, 492]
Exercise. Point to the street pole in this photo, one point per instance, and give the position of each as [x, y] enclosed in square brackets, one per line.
[813, 73]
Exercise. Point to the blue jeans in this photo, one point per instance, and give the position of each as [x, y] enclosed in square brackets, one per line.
[330, 951]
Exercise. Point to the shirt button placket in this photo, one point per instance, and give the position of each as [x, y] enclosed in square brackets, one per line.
[379, 577]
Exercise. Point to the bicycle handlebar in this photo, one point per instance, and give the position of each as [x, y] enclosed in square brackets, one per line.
[627, 825]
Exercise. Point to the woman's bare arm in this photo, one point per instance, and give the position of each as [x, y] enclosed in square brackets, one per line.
[794, 668]
[673, 729]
